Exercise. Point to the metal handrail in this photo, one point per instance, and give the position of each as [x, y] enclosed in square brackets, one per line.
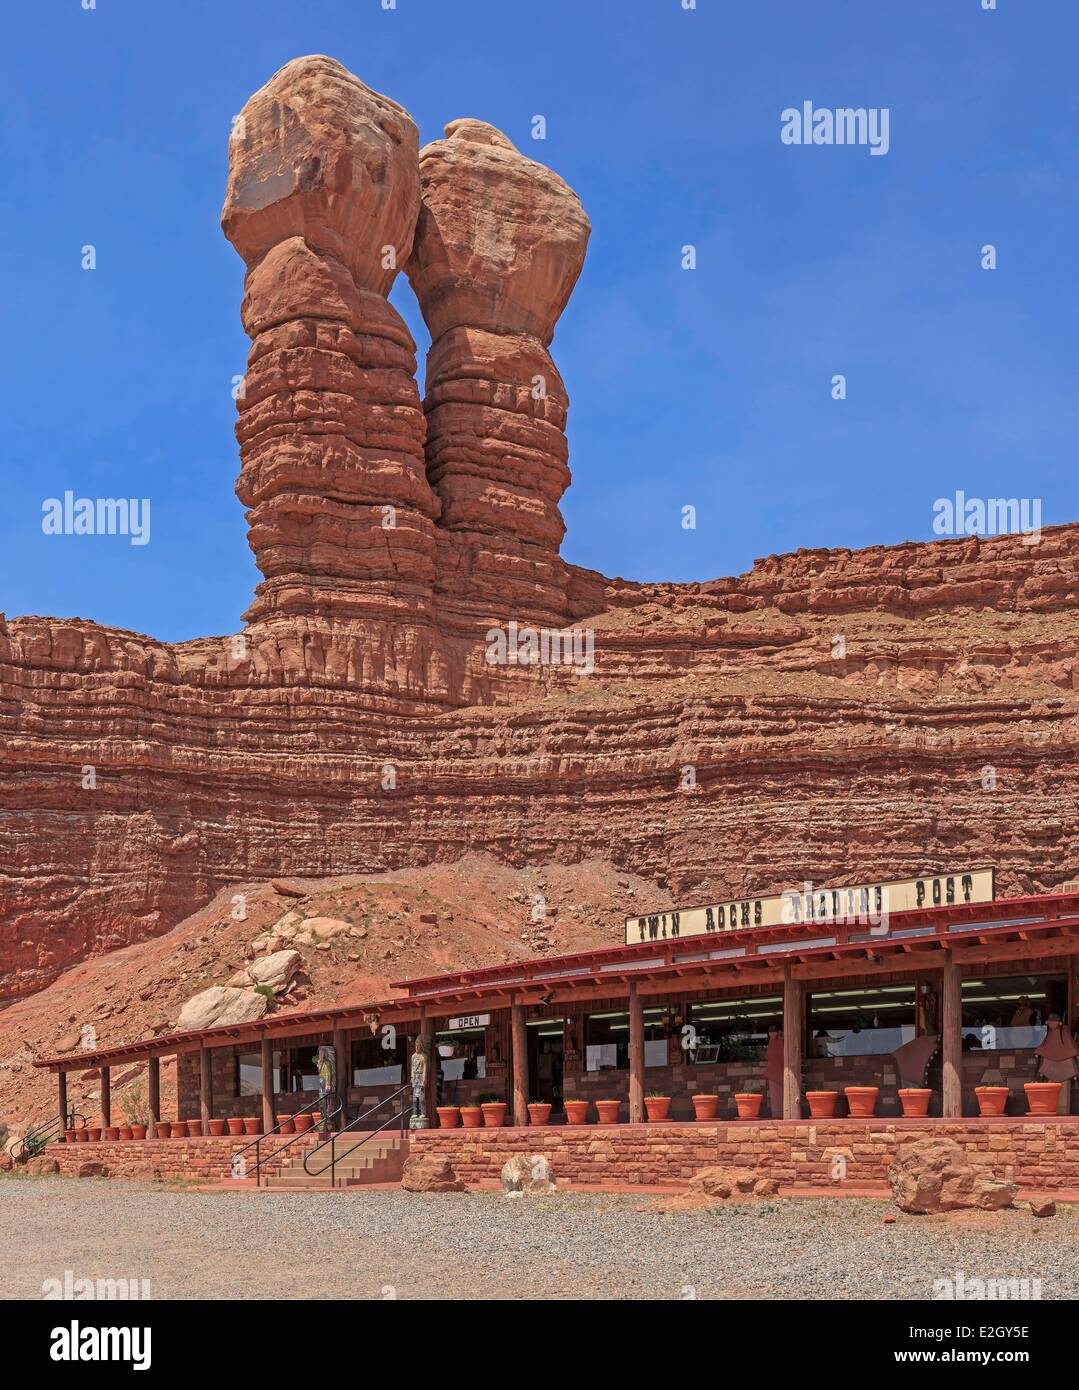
[49, 1129]
[256, 1143]
[332, 1140]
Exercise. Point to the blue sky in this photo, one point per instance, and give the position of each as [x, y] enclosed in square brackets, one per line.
[709, 387]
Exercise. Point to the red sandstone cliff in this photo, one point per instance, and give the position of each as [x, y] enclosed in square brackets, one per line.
[356, 725]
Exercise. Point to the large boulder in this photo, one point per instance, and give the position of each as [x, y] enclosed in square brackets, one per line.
[220, 1005]
[41, 1165]
[528, 1173]
[275, 970]
[732, 1182]
[430, 1174]
[934, 1174]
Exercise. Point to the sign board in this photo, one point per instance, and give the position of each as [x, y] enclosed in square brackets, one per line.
[866, 904]
[468, 1021]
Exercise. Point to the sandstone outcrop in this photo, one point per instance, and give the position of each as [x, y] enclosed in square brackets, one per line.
[322, 201]
[934, 1174]
[498, 248]
[276, 970]
[354, 726]
[219, 1005]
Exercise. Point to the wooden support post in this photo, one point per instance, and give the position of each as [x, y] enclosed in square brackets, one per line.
[343, 1058]
[951, 1041]
[61, 1080]
[267, 1086]
[206, 1102]
[636, 1055]
[520, 1064]
[106, 1097]
[153, 1093]
[430, 1099]
[793, 1027]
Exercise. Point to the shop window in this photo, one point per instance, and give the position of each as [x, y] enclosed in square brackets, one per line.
[1009, 1013]
[303, 1069]
[462, 1054]
[860, 1022]
[607, 1040]
[376, 1065]
[249, 1073]
[731, 1030]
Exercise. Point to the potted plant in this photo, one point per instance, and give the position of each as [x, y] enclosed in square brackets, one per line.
[217, 1127]
[252, 1124]
[112, 1132]
[608, 1110]
[94, 1133]
[1042, 1096]
[69, 1136]
[449, 1116]
[657, 1105]
[862, 1100]
[494, 1109]
[286, 1124]
[234, 1125]
[471, 1117]
[576, 1112]
[539, 1112]
[821, 1104]
[125, 1131]
[705, 1107]
[992, 1094]
[179, 1129]
[748, 1101]
[82, 1135]
[914, 1099]
[194, 1129]
[136, 1110]
[164, 1129]
[304, 1122]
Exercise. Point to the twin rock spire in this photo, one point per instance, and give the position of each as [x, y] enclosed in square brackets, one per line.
[360, 500]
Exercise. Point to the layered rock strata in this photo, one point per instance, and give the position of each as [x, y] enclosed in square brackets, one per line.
[498, 248]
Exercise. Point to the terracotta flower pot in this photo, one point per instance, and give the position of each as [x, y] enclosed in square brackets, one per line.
[992, 1100]
[82, 1135]
[539, 1112]
[179, 1129]
[286, 1124]
[705, 1107]
[449, 1116]
[252, 1125]
[749, 1104]
[821, 1104]
[217, 1127]
[125, 1131]
[1042, 1096]
[303, 1123]
[69, 1136]
[112, 1133]
[137, 1132]
[164, 1129]
[657, 1107]
[576, 1112]
[93, 1134]
[915, 1100]
[494, 1113]
[862, 1100]
[235, 1126]
[471, 1116]
[607, 1110]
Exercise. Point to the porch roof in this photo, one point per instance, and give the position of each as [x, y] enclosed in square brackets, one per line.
[1041, 925]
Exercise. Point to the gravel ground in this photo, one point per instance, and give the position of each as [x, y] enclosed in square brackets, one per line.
[235, 1245]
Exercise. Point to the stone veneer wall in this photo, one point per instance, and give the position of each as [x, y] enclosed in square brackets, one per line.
[207, 1158]
[1042, 1154]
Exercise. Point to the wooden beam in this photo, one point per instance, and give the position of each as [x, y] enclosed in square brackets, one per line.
[268, 1097]
[636, 1055]
[520, 1065]
[343, 1056]
[61, 1079]
[153, 1093]
[427, 1033]
[106, 1097]
[951, 1041]
[205, 1089]
[793, 1027]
